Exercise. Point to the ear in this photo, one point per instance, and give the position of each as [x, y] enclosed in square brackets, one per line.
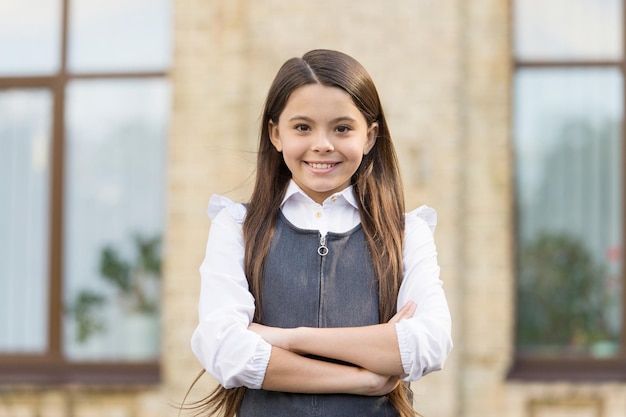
[372, 134]
[274, 136]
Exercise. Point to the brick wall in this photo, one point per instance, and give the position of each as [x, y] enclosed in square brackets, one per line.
[442, 68]
[226, 57]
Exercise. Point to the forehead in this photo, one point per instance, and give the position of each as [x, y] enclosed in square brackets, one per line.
[320, 101]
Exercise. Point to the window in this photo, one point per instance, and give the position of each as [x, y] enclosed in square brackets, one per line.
[568, 115]
[84, 108]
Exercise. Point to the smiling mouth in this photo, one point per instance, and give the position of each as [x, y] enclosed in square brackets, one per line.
[321, 165]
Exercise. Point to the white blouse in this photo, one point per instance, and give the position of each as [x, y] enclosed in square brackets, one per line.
[235, 356]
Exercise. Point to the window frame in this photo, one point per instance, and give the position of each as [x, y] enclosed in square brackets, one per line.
[51, 367]
[535, 367]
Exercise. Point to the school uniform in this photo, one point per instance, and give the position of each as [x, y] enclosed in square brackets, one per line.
[318, 274]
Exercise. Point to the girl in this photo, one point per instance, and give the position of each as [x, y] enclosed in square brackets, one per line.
[301, 287]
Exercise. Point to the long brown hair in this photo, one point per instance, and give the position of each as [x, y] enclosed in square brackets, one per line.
[377, 186]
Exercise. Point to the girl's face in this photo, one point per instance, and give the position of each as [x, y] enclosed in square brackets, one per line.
[323, 137]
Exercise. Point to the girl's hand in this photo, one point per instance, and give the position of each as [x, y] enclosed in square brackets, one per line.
[275, 336]
[406, 312]
[377, 385]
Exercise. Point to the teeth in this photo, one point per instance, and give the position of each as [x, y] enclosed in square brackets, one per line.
[321, 166]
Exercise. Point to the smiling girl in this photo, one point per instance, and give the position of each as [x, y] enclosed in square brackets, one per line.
[320, 296]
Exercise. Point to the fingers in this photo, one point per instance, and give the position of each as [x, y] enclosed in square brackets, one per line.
[275, 336]
[389, 385]
[405, 312]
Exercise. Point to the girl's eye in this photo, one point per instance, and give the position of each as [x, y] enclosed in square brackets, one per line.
[342, 129]
[302, 128]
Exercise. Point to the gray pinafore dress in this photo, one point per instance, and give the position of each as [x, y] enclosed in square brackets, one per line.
[315, 283]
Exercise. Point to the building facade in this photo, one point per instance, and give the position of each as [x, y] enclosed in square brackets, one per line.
[445, 71]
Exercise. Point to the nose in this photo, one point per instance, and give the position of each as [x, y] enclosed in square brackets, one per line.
[322, 143]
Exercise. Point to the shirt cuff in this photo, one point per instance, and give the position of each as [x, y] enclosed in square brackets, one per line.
[239, 362]
[406, 356]
[258, 364]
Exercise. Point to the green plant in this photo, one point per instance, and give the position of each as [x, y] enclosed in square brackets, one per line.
[86, 310]
[134, 282]
[561, 294]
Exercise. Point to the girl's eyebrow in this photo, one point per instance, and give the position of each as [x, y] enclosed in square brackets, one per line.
[343, 119]
[298, 117]
[335, 120]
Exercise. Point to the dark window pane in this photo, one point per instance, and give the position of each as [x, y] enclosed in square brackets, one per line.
[24, 177]
[114, 213]
[569, 180]
[119, 35]
[568, 29]
[30, 33]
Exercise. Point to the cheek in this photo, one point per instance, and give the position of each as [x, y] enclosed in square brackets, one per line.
[293, 149]
[290, 156]
[356, 154]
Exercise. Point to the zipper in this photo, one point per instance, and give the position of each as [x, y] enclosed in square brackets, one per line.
[322, 250]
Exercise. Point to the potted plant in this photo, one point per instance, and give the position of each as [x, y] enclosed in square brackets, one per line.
[136, 293]
[562, 297]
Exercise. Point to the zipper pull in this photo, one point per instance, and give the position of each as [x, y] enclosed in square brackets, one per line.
[323, 249]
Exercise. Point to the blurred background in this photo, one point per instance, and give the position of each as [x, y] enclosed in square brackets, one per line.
[119, 119]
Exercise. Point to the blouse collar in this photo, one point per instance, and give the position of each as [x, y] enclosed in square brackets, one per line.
[295, 192]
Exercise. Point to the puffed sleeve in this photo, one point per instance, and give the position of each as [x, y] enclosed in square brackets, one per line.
[221, 342]
[425, 340]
